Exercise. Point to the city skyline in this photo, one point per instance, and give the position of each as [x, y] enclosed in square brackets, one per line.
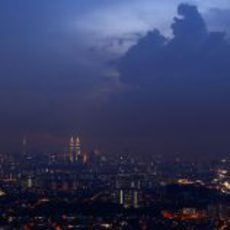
[114, 115]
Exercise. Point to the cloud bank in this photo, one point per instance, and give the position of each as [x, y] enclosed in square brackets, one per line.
[178, 88]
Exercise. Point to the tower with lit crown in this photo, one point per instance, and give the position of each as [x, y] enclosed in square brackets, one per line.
[77, 148]
[74, 149]
[71, 149]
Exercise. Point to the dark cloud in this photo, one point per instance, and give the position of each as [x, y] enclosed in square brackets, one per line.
[178, 98]
[192, 55]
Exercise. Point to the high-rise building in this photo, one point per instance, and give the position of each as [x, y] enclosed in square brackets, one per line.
[74, 149]
[85, 158]
[77, 149]
[127, 191]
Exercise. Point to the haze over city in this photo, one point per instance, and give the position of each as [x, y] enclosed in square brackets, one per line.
[150, 76]
[114, 115]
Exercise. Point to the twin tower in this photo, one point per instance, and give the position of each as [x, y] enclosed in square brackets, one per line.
[74, 149]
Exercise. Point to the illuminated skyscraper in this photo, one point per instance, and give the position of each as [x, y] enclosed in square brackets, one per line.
[74, 149]
[71, 149]
[127, 191]
[77, 149]
[85, 158]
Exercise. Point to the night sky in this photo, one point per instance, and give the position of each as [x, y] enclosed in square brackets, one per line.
[150, 76]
